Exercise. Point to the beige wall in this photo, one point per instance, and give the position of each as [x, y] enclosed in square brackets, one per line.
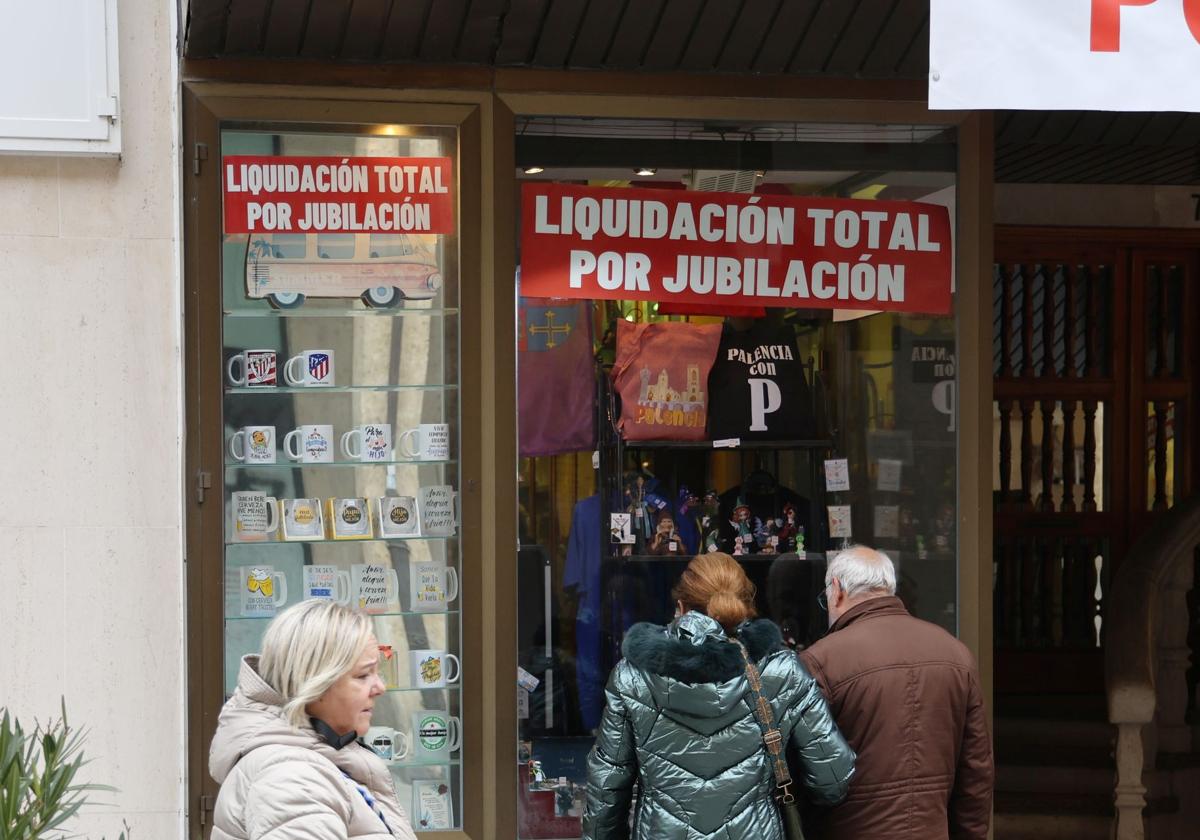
[1097, 205]
[91, 555]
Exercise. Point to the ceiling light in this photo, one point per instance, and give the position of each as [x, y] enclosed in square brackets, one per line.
[534, 170]
[645, 171]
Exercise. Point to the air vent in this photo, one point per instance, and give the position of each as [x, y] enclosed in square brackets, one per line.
[723, 180]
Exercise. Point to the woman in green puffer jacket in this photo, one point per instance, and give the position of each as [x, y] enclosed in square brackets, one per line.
[679, 721]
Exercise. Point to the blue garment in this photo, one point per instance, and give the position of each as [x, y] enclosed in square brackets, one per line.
[583, 572]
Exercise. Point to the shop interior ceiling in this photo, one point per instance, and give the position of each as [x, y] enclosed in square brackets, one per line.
[871, 39]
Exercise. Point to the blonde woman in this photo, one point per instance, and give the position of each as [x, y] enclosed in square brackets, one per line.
[287, 752]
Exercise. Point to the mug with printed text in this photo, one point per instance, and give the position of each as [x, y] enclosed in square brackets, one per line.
[427, 442]
[255, 515]
[432, 668]
[398, 516]
[369, 443]
[436, 734]
[310, 444]
[253, 445]
[326, 583]
[263, 589]
[432, 586]
[303, 519]
[257, 369]
[375, 587]
[310, 369]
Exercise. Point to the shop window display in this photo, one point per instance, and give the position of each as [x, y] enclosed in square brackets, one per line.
[341, 417]
[653, 428]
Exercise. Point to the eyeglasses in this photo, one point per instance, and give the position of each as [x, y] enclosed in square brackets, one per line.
[823, 600]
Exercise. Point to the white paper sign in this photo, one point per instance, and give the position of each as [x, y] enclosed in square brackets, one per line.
[620, 529]
[889, 475]
[1102, 55]
[436, 507]
[887, 521]
[837, 475]
[839, 521]
[431, 805]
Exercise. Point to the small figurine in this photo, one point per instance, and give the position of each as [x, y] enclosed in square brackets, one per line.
[765, 535]
[787, 528]
[536, 774]
[743, 531]
[689, 520]
[665, 542]
[709, 526]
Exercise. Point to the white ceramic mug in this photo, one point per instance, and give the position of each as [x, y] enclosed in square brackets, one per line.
[374, 443]
[310, 444]
[264, 591]
[253, 445]
[326, 583]
[397, 516]
[255, 515]
[310, 369]
[389, 744]
[432, 586]
[258, 369]
[430, 668]
[427, 442]
[375, 587]
[435, 735]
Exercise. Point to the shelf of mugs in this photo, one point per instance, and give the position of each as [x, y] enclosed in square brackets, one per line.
[341, 312]
[339, 541]
[369, 443]
[280, 464]
[407, 614]
[239, 390]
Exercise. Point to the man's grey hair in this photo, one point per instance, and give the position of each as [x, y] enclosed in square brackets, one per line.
[861, 570]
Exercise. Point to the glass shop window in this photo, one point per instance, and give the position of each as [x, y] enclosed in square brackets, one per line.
[657, 425]
[341, 421]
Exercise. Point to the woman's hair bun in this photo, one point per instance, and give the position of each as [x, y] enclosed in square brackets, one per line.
[727, 609]
[717, 585]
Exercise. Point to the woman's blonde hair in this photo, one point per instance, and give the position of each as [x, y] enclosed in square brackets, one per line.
[307, 648]
[716, 585]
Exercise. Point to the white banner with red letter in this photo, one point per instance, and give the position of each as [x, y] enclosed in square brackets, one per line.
[1096, 55]
[722, 249]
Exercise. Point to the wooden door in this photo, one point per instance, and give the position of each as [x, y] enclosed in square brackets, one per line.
[1094, 384]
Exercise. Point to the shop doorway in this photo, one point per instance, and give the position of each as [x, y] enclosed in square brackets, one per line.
[1094, 401]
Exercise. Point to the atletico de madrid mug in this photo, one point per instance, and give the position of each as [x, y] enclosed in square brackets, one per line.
[310, 369]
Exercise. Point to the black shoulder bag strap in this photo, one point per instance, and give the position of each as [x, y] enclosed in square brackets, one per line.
[789, 810]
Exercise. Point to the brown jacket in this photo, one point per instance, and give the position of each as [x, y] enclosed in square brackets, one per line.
[906, 695]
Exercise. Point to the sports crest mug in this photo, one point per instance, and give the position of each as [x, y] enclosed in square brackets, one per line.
[257, 369]
[310, 369]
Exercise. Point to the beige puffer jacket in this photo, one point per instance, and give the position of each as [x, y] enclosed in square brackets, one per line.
[283, 783]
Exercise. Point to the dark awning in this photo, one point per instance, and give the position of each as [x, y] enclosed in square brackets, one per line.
[863, 39]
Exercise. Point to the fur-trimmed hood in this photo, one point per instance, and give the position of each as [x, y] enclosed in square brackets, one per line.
[694, 648]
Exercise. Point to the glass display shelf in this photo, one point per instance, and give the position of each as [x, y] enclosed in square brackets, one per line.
[325, 541]
[339, 313]
[454, 687]
[684, 559]
[406, 764]
[295, 465]
[334, 389]
[815, 443]
[409, 614]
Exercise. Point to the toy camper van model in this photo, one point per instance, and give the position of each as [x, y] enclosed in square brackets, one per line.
[383, 269]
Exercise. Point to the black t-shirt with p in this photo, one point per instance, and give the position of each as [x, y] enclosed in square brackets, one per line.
[757, 387]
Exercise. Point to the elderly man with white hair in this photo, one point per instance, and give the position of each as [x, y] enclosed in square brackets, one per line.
[906, 695]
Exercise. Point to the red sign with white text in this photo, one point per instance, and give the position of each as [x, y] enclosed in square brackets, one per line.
[721, 249]
[284, 194]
